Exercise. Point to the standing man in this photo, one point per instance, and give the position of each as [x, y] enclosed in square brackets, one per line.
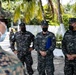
[45, 43]
[11, 36]
[69, 48]
[9, 64]
[23, 40]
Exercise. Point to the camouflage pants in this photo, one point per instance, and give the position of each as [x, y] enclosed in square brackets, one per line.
[70, 68]
[28, 60]
[45, 66]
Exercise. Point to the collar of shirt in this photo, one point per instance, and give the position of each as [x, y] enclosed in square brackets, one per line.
[22, 32]
[46, 33]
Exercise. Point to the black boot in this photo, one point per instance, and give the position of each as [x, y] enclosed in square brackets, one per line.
[30, 74]
[25, 73]
[44, 73]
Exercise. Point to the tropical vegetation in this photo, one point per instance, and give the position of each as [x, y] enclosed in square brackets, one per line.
[32, 12]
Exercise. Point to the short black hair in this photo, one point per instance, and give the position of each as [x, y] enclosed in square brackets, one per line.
[22, 24]
[4, 20]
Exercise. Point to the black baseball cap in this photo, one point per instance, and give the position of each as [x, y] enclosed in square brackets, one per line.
[72, 20]
[22, 24]
[44, 23]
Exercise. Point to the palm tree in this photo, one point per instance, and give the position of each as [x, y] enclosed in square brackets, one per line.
[62, 29]
[74, 9]
[51, 4]
[42, 9]
[3, 12]
[59, 12]
[28, 10]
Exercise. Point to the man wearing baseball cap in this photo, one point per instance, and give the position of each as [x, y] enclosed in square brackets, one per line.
[23, 39]
[69, 48]
[45, 43]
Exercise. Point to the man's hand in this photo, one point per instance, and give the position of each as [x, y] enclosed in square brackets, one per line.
[15, 52]
[70, 57]
[30, 49]
[74, 55]
[43, 53]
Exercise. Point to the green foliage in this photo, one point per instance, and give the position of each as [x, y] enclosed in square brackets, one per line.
[58, 45]
[65, 19]
[74, 9]
[34, 22]
[68, 7]
[58, 37]
[48, 14]
[17, 14]
[9, 23]
[30, 11]
[58, 41]
[28, 0]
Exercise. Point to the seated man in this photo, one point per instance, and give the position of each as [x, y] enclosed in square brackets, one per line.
[9, 64]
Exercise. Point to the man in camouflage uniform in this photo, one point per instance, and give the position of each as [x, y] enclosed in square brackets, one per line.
[69, 48]
[45, 43]
[23, 41]
[11, 36]
[9, 64]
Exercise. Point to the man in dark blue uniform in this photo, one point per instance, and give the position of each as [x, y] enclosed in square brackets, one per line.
[45, 43]
[11, 36]
[23, 41]
[69, 48]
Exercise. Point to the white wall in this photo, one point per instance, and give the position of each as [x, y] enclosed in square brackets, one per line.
[35, 29]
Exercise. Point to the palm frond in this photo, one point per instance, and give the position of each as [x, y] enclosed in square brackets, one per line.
[17, 14]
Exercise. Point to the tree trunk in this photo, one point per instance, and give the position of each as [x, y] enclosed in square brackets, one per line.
[42, 9]
[59, 12]
[61, 29]
[51, 4]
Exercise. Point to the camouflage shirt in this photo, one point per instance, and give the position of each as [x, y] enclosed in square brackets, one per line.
[69, 42]
[40, 42]
[10, 64]
[11, 35]
[23, 41]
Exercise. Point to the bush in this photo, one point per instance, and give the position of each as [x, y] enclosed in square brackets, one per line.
[58, 41]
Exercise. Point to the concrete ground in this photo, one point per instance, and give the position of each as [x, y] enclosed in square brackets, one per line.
[58, 64]
[58, 60]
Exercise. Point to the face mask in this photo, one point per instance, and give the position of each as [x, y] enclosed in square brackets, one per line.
[71, 28]
[23, 29]
[2, 37]
[44, 29]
